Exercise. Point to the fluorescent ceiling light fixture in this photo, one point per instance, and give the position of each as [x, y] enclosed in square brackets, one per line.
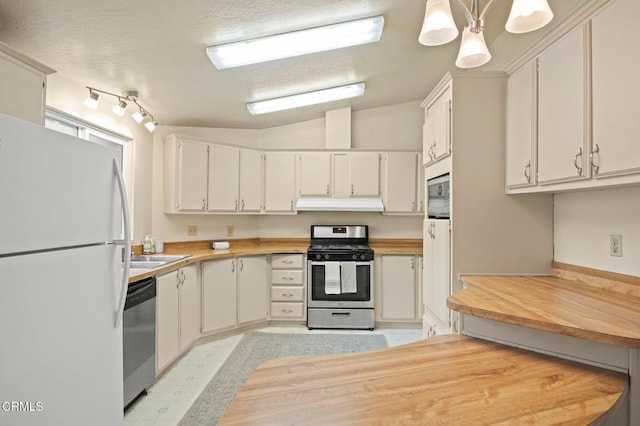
[296, 43]
[304, 99]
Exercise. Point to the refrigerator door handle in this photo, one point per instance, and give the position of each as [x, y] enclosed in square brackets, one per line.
[126, 242]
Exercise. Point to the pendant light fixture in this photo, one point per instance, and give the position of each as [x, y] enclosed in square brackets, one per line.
[439, 27]
[120, 108]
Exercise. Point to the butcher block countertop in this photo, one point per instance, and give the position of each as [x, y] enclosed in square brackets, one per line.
[602, 310]
[449, 380]
[201, 251]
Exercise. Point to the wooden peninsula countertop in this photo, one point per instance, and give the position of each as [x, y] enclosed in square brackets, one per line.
[449, 380]
[201, 251]
[602, 313]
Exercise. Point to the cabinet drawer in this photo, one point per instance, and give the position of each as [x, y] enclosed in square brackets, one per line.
[286, 277]
[286, 261]
[286, 310]
[286, 294]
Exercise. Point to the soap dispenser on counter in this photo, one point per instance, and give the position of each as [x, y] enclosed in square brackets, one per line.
[147, 245]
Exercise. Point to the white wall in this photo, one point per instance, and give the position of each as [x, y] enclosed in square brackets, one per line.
[391, 127]
[583, 222]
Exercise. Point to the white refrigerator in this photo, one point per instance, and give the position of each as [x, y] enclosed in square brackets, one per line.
[63, 233]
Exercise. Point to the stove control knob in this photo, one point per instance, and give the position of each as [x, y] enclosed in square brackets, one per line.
[362, 256]
[326, 256]
[318, 256]
[354, 257]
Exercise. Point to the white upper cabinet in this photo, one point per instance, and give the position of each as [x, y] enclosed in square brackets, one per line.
[400, 182]
[224, 167]
[185, 173]
[22, 85]
[364, 174]
[437, 125]
[521, 127]
[339, 174]
[315, 174]
[251, 181]
[615, 63]
[563, 143]
[279, 182]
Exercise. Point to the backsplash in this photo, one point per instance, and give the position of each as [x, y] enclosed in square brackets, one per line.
[583, 222]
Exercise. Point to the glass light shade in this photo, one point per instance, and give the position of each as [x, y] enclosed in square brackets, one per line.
[473, 50]
[296, 43]
[91, 101]
[438, 26]
[528, 15]
[305, 99]
[119, 109]
[151, 125]
[139, 116]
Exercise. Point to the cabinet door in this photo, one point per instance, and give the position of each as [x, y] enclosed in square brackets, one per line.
[438, 127]
[364, 174]
[192, 164]
[521, 131]
[562, 136]
[437, 273]
[219, 296]
[251, 179]
[401, 181]
[167, 320]
[23, 90]
[315, 174]
[189, 305]
[252, 289]
[615, 40]
[398, 288]
[279, 185]
[224, 169]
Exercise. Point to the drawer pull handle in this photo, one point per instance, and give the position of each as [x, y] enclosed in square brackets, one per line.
[286, 311]
[341, 313]
[287, 294]
[288, 278]
[287, 262]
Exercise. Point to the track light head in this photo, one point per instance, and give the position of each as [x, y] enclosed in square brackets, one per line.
[151, 125]
[139, 116]
[119, 109]
[92, 100]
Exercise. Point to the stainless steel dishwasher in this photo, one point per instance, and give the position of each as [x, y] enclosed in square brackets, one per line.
[139, 338]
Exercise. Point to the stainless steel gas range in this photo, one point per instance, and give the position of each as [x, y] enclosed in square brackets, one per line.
[340, 277]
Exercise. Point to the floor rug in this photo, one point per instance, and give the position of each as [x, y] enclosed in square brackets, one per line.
[256, 348]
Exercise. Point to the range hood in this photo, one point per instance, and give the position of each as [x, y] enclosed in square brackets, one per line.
[324, 204]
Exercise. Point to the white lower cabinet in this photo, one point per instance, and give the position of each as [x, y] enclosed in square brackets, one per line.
[436, 275]
[287, 287]
[234, 292]
[252, 289]
[398, 282]
[177, 313]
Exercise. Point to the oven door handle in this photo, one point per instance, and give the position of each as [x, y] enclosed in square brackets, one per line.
[341, 313]
[323, 262]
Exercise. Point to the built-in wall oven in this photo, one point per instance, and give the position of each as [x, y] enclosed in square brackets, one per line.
[340, 278]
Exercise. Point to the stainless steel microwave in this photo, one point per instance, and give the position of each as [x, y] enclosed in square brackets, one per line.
[438, 204]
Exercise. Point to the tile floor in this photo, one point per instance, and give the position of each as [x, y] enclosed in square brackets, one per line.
[171, 396]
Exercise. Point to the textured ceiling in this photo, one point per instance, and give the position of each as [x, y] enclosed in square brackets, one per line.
[157, 47]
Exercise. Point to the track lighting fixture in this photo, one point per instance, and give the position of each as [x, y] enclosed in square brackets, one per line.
[120, 108]
[439, 28]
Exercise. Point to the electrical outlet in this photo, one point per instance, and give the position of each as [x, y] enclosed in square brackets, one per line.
[615, 245]
[229, 230]
[192, 230]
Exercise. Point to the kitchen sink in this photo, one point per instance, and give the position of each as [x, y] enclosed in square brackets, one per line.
[152, 261]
